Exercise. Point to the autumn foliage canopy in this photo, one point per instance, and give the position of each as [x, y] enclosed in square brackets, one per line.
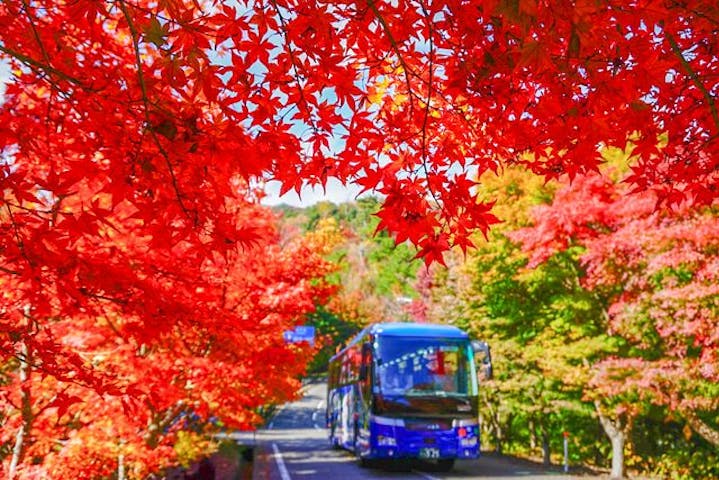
[133, 135]
[659, 271]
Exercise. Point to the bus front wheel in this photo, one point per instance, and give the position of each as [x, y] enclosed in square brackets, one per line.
[361, 461]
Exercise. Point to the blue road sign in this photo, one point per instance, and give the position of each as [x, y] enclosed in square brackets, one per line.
[301, 333]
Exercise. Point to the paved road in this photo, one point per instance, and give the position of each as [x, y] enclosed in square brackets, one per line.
[295, 447]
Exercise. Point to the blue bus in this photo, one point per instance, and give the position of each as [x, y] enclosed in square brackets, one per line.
[403, 391]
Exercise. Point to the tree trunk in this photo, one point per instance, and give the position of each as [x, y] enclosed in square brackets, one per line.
[497, 436]
[617, 436]
[618, 441]
[507, 437]
[532, 435]
[120, 467]
[159, 423]
[18, 450]
[709, 434]
[496, 426]
[546, 451]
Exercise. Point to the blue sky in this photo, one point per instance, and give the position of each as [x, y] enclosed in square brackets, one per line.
[4, 76]
[335, 193]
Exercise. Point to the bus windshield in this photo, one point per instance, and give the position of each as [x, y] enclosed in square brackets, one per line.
[415, 366]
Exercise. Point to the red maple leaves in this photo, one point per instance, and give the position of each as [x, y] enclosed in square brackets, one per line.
[146, 337]
[129, 130]
[398, 98]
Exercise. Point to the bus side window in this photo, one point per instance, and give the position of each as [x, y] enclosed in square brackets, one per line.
[366, 363]
[345, 375]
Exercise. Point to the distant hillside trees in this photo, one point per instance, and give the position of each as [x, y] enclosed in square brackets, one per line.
[375, 277]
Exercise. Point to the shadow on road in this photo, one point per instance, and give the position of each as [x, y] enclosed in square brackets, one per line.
[294, 446]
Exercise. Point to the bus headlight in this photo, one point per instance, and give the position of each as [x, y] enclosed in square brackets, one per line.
[384, 441]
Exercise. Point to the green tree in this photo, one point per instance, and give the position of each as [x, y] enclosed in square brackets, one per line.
[376, 275]
[545, 329]
[658, 274]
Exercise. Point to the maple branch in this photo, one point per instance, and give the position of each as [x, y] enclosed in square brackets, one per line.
[698, 13]
[225, 285]
[18, 237]
[695, 78]
[8, 270]
[176, 21]
[157, 425]
[25, 372]
[34, 64]
[98, 296]
[110, 323]
[430, 81]
[701, 427]
[146, 102]
[39, 68]
[295, 69]
[49, 403]
[59, 375]
[428, 101]
[395, 47]
[35, 33]
[34, 211]
[612, 427]
[183, 338]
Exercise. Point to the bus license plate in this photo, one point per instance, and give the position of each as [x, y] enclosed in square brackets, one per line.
[429, 453]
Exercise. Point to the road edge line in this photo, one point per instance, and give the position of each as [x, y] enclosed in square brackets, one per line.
[281, 463]
[425, 475]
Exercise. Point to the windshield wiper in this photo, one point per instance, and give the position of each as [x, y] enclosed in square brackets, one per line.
[434, 393]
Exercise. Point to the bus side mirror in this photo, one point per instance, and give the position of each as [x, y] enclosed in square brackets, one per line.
[483, 355]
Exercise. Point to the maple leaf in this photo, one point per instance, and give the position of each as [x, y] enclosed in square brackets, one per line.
[62, 402]
[432, 249]
[155, 32]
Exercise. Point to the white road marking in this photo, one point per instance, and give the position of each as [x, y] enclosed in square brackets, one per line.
[425, 475]
[281, 463]
[319, 410]
[272, 424]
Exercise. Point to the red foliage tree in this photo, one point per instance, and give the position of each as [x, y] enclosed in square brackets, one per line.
[660, 271]
[140, 357]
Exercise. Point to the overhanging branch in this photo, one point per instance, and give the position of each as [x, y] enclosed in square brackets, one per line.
[695, 79]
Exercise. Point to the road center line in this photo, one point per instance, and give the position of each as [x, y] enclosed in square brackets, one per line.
[281, 463]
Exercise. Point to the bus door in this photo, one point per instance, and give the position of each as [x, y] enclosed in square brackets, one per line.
[364, 397]
[346, 415]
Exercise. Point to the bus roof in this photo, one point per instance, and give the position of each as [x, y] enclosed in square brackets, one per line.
[404, 329]
[417, 330]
